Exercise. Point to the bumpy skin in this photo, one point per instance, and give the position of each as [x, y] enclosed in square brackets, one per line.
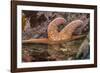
[66, 32]
[53, 34]
[55, 37]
